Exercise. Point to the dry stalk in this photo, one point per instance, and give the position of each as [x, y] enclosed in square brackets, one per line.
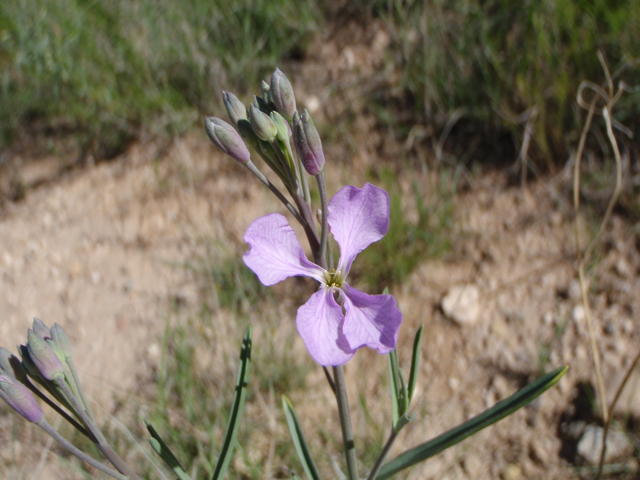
[610, 98]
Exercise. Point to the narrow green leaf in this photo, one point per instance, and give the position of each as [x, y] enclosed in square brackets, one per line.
[393, 384]
[468, 428]
[165, 453]
[236, 410]
[298, 440]
[415, 362]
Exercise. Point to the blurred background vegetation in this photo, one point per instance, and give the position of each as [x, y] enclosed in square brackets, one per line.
[110, 71]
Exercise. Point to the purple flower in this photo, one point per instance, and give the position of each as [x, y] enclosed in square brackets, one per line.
[357, 217]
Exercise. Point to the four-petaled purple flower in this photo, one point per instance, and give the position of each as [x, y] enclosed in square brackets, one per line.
[357, 217]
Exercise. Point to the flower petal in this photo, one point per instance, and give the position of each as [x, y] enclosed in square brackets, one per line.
[319, 324]
[357, 217]
[371, 320]
[276, 252]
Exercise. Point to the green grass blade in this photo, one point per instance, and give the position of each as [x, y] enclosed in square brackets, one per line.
[468, 428]
[165, 453]
[298, 440]
[415, 362]
[236, 410]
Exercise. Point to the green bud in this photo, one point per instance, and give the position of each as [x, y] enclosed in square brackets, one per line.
[44, 357]
[308, 143]
[281, 94]
[235, 108]
[265, 91]
[263, 126]
[20, 398]
[27, 363]
[225, 137]
[61, 339]
[284, 131]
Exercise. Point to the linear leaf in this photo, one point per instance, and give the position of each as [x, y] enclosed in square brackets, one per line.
[298, 440]
[236, 410]
[468, 428]
[165, 453]
[415, 362]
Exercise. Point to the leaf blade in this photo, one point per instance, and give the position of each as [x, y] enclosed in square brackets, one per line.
[236, 410]
[299, 442]
[468, 428]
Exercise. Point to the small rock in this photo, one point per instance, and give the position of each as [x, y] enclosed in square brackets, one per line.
[462, 304]
[590, 445]
[511, 472]
[578, 313]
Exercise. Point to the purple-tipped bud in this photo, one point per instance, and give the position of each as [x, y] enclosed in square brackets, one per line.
[44, 357]
[225, 137]
[281, 94]
[10, 365]
[308, 143]
[41, 329]
[235, 108]
[61, 339]
[20, 398]
[263, 126]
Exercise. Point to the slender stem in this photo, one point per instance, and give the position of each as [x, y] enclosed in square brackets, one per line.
[329, 379]
[253, 169]
[44, 425]
[345, 423]
[83, 397]
[60, 411]
[605, 429]
[323, 233]
[103, 445]
[310, 230]
[383, 454]
[305, 184]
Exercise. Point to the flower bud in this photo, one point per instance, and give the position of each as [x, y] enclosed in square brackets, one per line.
[20, 398]
[10, 365]
[44, 357]
[235, 108]
[308, 143]
[265, 91]
[281, 94]
[61, 339]
[263, 126]
[225, 137]
[41, 329]
[282, 126]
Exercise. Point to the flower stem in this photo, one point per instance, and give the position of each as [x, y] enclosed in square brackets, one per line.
[253, 169]
[103, 445]
[43, 424]
[323, 235]
[345, 423]
[383, 454]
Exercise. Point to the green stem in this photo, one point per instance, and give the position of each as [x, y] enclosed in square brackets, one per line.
[323, 233]
[83, 397]
[345, 423]
[253, 169]
[383, 454]
[44, 425]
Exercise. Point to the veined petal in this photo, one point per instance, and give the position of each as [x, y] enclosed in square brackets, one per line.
[370, 320]
[357, 217]
[319, 323]
[276, 252]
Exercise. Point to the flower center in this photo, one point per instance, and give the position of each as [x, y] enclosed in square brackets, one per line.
[334, 278]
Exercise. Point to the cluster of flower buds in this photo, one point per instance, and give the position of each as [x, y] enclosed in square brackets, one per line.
[47, 371]
[287, 141]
